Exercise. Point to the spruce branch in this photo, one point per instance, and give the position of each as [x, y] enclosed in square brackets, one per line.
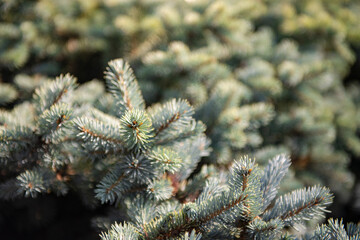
[234, 62]
[215, 207]
[192, 216]
[160, 190]
[122, 83]
[335, 229]
[136, 129]
[18, 142]
[171, 225]
[241, 170]
[121, 231]
[54, 118]
[17, 135]
[234, 209]
[273, 174]
[300, 205]
[135, 169]
[191, 151]
[353, 229]
[193, 236]
[140, 209]
[171, 118]
[213, 188]
[193, 129]
[100, 135]
[262, 230]
[51, 93]
[166, 159]
[31, 183]
[111, 186]
[138, 168]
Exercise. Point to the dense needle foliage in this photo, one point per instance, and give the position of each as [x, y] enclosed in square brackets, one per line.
[220, 83]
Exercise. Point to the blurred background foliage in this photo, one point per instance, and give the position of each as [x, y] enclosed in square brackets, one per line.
[265, 76]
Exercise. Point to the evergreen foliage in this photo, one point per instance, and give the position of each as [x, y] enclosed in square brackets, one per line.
[60, 138]
[256, 85]
[143, 160]
[217, 79]
[53, 36]
[239, 207]
[334, 229]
